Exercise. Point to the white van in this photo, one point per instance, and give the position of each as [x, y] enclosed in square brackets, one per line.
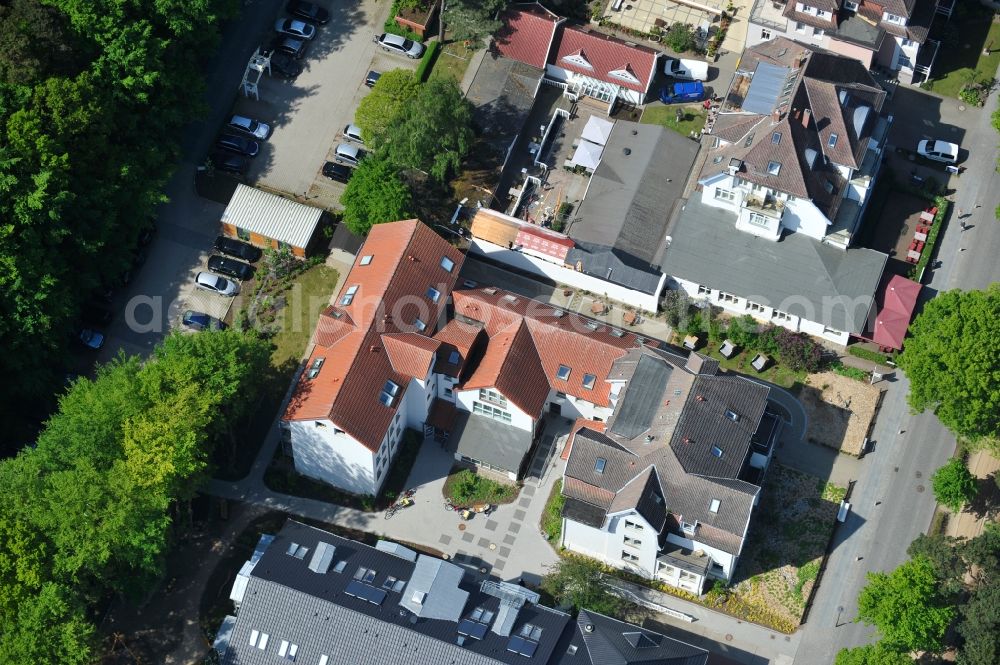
[686, 69]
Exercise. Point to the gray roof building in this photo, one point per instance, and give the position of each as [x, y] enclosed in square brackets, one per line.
[314, 597]
[798, 275]
[489, 441]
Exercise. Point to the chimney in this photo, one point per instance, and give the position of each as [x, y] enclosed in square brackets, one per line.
[775, 116]
[797, 62]
[411, 257]
[700, 398]
[806, 116]
[373, 348]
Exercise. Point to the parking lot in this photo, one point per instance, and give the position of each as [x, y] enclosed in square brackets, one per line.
[306, 116]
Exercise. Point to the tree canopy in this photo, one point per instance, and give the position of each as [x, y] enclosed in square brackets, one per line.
[385, 106]
[906, 606]
[374, 195]
[89, 510]
[472, 19]
[951, 361]
[574, 581]
[872, 654]
[954, 485]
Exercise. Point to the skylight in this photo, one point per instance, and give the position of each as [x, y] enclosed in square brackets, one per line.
[776, 138]
[447, 264]
[774, 168]
[833, 140]
[717, 451]
[420, 325]
[365, 260]
[563, 373]
[388, 393]
[600, 464]
[433, 294]
[454, 357]
[348, 296]
[714, 506]
[589, 380]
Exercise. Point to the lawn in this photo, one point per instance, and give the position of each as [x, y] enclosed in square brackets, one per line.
[776, 373]
[960, 59]
[692, 121]
[465, 488]
[306, 297]
[452, 61]
[552, 515]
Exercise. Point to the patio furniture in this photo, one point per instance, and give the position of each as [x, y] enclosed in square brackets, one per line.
[691, 342]
[920, 236]
[912, 254]
[759, 362]
[629, 317]
[598, 307]
[728, 349]
[927, 216]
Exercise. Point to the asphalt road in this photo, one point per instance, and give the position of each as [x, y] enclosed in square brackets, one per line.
[909, 448]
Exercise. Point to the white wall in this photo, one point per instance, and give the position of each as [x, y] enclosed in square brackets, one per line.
[574, 407]
[565, 76]
[562, 274]
[802, 216]
[320, 452]
[724, 559]
[518, 418]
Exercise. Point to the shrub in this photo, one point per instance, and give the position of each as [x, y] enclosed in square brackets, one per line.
[552, 514]
[850, 372]
[693, 325]
[743, 332]
[466, 487]
[675, 306]
[427, 61]
[798, 351]
[953, 484]
[868, 354]
[680, 38]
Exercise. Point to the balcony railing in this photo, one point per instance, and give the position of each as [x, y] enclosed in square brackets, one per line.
[768, 13]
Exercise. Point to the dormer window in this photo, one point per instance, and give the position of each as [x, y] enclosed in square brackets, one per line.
[689, 527]
[365, 260]
[624, 75]
[348, 296]
[447, 264]
[563, 373]
[774, 168]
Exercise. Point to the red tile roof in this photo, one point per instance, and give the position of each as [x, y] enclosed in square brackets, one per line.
[526, 33]
[605, 54]
[559, 338]
[544, 241]
[455, 336]
[389, 294]
[511, 365]
[898, 301]
[410, 353]
[580, 423]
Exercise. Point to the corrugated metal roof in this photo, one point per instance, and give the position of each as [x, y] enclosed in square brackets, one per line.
[271, 216]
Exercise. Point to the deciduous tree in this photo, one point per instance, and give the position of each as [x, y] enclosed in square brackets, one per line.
[872, 654]
[374, 195]
[385, 106]
[576, 581]
[953, 484]
[472, 19]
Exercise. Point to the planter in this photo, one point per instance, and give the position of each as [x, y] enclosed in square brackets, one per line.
[417, 20]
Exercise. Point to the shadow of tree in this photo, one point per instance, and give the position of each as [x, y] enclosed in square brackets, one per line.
[987, 501]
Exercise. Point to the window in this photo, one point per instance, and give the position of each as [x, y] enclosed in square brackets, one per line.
[365, 260]
[600, 464]
[892, 18]
[851, 6]
[633, 542]
[757, 219]
[433, 294]
[348, 296]
[817, 32]
[831, 331]
[490, 411]
[297, 551]
[703, 290]
[821, 13]
[717, 451]
[588, 381]
[388, 394]
[563, 372]
[728, 297]
[531, 632]
[765, 34]
[725, 194]
[713, 507]
[774, 168]
[754, 307]
[629, 556]
[776, 138]
[908, 42]
[419, 325]
[781, 316]
[800, 27]
[288, 650]
[447, 264]
[492, 397]
[689, 527]
[323, 659]
[629, 524]
[258, 639]
[832, 141]
[454, 357]
[828, 186]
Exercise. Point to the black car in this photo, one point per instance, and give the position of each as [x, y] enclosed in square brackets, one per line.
[241, 250]
[285, 66]
[230, 267]
[238, 144]
[308, 11]
[96, 314]
[372, 78]
[338, 172]
[201, 321]
[228, 162]
[290, 46]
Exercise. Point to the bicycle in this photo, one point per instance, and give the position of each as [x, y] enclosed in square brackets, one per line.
[448, 505]
[391, 510]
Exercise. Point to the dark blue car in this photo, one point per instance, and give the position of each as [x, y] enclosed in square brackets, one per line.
[682, 92]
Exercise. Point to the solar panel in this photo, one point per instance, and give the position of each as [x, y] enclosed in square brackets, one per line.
[472, 629]
[519, 645]
[365, 592]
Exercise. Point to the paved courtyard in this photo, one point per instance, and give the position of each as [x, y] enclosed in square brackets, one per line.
[644, 15]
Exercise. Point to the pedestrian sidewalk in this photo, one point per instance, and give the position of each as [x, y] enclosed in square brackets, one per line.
[966, 524]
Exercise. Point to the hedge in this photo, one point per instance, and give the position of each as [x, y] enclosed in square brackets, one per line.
[868, 354]
[427, 61]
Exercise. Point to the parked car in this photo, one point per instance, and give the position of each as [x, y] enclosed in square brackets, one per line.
[285, 65]
[220, 285]
[230, 267]
[353, 133]
[228, 162]
[682, 92]
[308, 11]
[338, 172]
[201, 321]
[349, 154]
[92, 339]
[238, 144]
[686, 69]
[293, 28]
[938, 151]
[241, 250]
[96, 314]
[249, 126]
[401, 45]
[290, 46]
[372, 78]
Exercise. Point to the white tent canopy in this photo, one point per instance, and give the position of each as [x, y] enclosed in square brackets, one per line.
[597, 130]
[588, 155]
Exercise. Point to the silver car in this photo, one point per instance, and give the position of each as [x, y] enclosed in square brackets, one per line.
[401, 45]
[246, 125]
[290, 27]
[220, 285]
[349, 154]
[353, 133]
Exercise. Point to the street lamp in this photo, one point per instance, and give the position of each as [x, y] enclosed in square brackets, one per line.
[840, 610]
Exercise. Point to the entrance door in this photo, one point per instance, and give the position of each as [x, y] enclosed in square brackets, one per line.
[555, 409]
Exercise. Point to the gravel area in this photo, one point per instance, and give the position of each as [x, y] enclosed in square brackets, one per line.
[840, 410]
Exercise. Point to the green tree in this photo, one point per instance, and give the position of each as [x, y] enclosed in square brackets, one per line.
[436, 131]
[979, 625]
[945, 555]
[951, 364]
[575, 581]
[385, 106]
[375, 195]
[34, 42]
[954, 485]
[472, 19]
[906, 606]
[680, 38]
[872, 654]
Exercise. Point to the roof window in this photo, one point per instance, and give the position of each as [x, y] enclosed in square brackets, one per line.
[418, 597]
[713, 507]
[348, 296]
[832, 142]
[323, 659]
[317, 364]
[388, 394]
[732, 415]
[297, 551]
[365, 260]
[589, 380]
[419, 325]
[258, 639]
[366, 575]
[454, 357]
[433, 294]
[600, 464]
[717, 451]
[530, 632]
[339, 568]
[288, 650]
[774, 168]
[447, 264]
[563, 373]
[776, 138]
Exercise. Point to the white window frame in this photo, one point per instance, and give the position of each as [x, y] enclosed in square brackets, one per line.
[491, 412]
[818, 32]
[348, 296]
[629, 541]
[492, 397]
[366, 259]
[727, 297]
[755, 307]
[631, 557]
[564, 376]
[447, 264]
[419, 324]
[629, 524]
[757, 219]
[800, 27]
[433, 294]
[723, 194]
[704, 290]
[781, 316]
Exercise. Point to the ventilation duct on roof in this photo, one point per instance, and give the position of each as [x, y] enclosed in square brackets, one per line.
[321, 558]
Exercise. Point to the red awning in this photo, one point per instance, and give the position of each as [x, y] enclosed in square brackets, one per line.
[898, 301]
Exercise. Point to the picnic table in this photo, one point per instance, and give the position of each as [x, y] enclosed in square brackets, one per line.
[598, 307]
[927, 216]
[922, 237]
